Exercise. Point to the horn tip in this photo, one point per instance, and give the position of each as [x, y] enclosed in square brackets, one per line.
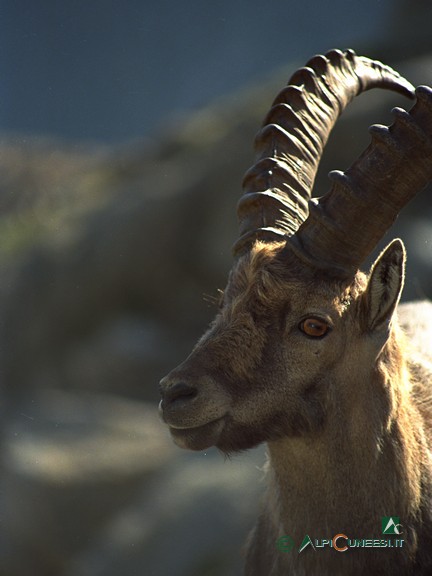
[423, 92]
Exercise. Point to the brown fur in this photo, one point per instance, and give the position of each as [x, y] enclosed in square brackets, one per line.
[347, 417]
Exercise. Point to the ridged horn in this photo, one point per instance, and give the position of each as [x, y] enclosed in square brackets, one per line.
[277, 189]
[346, 224]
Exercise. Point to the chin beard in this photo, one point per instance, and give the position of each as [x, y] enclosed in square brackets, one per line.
[237, 437]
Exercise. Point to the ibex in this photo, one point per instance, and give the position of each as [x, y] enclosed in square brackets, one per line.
[306, 352]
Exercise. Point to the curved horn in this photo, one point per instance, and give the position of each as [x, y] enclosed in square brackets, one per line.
[277, 189]
[346, 224]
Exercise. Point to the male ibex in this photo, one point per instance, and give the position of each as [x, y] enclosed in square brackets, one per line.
[306, 352]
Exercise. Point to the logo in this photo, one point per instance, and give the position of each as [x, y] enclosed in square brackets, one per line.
[285, 544]
[305, 542]
[335, 542]
[391, 525]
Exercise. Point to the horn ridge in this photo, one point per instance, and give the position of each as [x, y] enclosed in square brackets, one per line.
[284, 116]
[294, 134]
[347, 223]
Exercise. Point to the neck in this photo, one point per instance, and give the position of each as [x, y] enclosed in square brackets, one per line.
[364, 464]
[349, 475]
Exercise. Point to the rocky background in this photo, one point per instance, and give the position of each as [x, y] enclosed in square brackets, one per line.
[110, 257]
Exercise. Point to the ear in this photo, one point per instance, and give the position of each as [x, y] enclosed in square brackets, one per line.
[384, 288]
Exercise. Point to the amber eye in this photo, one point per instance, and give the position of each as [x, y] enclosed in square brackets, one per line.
[314, 327]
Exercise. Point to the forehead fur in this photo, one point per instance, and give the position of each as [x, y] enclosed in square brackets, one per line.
[266, 272]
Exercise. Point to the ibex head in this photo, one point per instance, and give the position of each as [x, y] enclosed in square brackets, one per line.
[296, 301]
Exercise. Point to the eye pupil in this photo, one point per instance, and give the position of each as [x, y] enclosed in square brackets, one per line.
[314, 327]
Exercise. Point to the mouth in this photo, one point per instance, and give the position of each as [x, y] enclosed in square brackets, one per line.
[200, 437]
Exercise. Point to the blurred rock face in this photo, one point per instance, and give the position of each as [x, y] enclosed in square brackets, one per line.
[110, 260]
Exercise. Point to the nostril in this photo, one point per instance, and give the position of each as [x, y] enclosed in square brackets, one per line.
[179, 391]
